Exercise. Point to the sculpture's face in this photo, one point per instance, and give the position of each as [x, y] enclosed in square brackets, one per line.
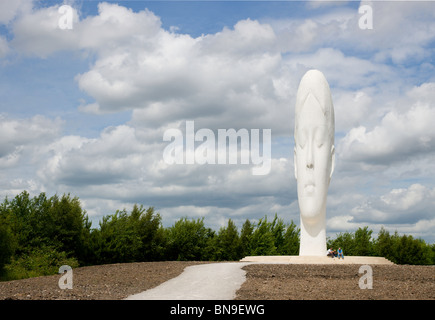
[314, 160]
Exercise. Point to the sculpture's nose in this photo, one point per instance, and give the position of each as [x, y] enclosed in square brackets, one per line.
[310, 162]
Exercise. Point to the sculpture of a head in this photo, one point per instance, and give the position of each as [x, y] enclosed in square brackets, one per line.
[314, 152]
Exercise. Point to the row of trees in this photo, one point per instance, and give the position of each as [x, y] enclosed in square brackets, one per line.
[139, 236]
[39, 234]
[398, 249]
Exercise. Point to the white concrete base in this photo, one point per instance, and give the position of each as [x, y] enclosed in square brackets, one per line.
[317, 260]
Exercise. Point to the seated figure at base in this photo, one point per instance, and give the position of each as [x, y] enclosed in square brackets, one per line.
[331, 253]
[340, 253]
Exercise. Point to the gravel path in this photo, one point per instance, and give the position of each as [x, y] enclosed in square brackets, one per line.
[213, 281]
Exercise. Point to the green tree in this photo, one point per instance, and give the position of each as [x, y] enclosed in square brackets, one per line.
[263, 240]
[345, 241]
[411, 251]
[7, 240]
[6, 246]
[187, 240]
[71, 225]
[54, 222]
[291, 240]
[278, 230]
[363, 245]
[383, 245]
[119, 241]
[402, 249]
[246, 238]
[227, 243]
[432, 253]
[43, 232]
[150, 231]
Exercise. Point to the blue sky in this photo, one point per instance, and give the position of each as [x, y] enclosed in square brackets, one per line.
[83, 111]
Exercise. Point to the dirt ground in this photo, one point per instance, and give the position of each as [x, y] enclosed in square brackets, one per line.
[336, 282]
[105, 282]
[263, 282]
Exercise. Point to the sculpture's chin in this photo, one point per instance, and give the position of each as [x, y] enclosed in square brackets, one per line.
[311, 217]
[310, 213]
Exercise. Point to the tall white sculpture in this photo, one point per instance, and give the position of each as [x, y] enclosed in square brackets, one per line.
[314, 157]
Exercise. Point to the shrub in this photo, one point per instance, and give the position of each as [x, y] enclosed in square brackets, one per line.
[6, 247]
[38, 262]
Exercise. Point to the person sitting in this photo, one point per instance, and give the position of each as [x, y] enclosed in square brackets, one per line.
[330, 253]
[340, 253]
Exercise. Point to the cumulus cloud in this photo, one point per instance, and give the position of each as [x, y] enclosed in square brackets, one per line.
[20, 151]
[170, 77]
[37, 32]
[344, 71]
[119, 155]
[406, 210]
[10, 9]
[166, 76]
[4, 47]
[401, 32]
[402, 134]
[404, 205]
[19, 134]
[115, 156]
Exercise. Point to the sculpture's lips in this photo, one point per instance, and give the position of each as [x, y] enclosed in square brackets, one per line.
[309, 188]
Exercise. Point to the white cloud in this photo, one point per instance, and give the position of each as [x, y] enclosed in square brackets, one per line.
[344, 71]
[117, 155]
[20, 151]
[351, 109]
[10, 9]
[402, 31]
[4, 47]
[403, 133]
[405, 210]
[172, 77]
[341, 223]
[404, 205]
[404, 199]
[165, 76]
[120, 168]
[247, 38]
[19, 135]
[38, 33]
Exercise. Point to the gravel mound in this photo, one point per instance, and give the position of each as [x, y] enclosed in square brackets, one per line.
[336, 282]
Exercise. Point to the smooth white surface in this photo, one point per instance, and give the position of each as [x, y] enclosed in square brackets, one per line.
[214, 281]
[360, 260]
[314, 158]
